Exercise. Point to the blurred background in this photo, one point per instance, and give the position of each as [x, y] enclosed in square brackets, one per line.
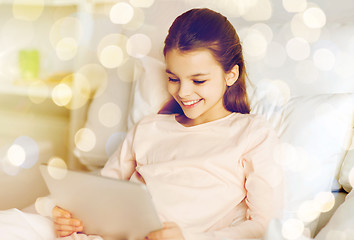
[56, 56]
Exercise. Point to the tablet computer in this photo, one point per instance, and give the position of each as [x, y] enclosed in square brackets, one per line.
[108, 207]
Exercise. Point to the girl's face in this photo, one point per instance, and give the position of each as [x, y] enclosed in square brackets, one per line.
[198, 83]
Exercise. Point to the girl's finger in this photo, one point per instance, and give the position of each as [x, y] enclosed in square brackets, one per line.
[59, 212]
[64, 233]
[68, 221]
[59, 227]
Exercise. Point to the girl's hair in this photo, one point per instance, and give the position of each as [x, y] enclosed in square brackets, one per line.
[203, 28]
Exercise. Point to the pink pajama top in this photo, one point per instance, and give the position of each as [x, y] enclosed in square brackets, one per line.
[217, 180]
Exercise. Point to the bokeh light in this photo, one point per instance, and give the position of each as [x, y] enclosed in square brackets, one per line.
[301, 30]
[31, 150]
[44, 206]
[118, 40]
[65, 28]
[66, 49]
[62, 94]
[141, 3]
[298, 49]
[138, 45]
[137, 20]
[93, 78]
[57, 168]
[111, 56]
[324, 59]
[265, 30]
[306, 72]
[292, 229]
[314, 17]
[308, 211]
[16, 155]
[277, 92]
[324, 201]
[121, 13]
[276, 55]
[294, 5]
[255, 44]
[109, 114]
[28, 12]
[85, 139]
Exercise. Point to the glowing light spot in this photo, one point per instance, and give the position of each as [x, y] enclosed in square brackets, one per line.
[292, 229]
[66, 49]
[298, 49]
[142, 3]
[62, 94]
[85, 139]
[111, 56]
[81, 90]
[121, 13]
[255, 44]
[301, 30]
[138, 45]
[294, 5]
[351, 177]
[109, 114]
[306, 72]
[324, 59]
[265, 30]
[28, 12]
[38, 92]
[137, 21]
[65, 28]
[277, 92]
[314, 18]
[57, 168]
[308, 211]
[95, 76]
[31, 150]
[110, 40]
[276, 55]
[44, 206]
[16, 155]
[324, 201]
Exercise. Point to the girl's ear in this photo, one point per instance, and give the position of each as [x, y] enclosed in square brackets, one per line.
[232, 75]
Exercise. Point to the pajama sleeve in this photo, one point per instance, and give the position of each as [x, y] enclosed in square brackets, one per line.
[122, 164]
[263, 185]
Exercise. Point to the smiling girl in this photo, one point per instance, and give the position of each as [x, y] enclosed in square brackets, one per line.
[208, 164]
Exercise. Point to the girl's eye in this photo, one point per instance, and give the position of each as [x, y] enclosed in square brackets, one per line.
[199, 81]
[174, 80]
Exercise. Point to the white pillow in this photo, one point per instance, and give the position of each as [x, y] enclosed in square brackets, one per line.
[149, 90]
[340, 226]
[346, 177]
[315, 133]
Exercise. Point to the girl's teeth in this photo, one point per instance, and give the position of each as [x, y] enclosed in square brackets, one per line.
[190, 103]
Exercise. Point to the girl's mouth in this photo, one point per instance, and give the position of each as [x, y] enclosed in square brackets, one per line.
[190, 104]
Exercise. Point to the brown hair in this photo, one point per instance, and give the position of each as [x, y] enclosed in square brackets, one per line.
[203, 28]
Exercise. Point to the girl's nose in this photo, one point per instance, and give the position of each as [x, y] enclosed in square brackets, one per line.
[185, 90]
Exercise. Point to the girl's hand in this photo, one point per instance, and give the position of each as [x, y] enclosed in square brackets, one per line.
[169, 231]
[64, 224]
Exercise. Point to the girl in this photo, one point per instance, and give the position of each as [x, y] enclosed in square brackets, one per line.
[208, 164]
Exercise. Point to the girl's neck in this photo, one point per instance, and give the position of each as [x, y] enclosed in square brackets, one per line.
[188, 122]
